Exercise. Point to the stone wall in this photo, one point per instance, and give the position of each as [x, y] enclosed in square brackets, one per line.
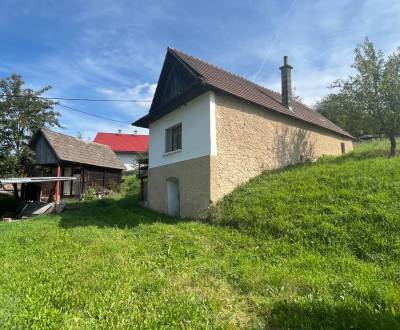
[194, 186]
[251, 139]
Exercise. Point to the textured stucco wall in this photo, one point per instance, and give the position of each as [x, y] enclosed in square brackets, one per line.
[194, 186]
[251, 140]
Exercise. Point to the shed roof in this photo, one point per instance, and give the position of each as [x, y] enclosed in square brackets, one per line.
[75, 150]
[215, 78]
[124, 142]
[35, 179]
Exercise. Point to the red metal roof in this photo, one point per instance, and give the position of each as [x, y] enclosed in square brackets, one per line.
[124, 142]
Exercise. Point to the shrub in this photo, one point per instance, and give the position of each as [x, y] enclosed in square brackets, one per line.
[90, 194]
[129, 185]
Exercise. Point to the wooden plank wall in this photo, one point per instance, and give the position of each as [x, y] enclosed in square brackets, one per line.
[44, 154]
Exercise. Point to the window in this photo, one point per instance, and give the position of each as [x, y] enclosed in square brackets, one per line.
[343, 146]
[173, 138]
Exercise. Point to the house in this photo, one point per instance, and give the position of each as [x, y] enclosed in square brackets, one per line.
[211, 131]
[128, 147]
[92, 164]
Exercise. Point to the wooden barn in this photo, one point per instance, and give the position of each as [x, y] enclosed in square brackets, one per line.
[92, 164]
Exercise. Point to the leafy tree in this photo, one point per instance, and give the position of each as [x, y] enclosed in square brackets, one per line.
[22, 112]
[369, 100]
[340, 109]
[390, 116]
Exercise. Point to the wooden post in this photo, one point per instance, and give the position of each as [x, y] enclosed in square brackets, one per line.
[23, 191]
[15, 186]
[82, 180]
[57, 190]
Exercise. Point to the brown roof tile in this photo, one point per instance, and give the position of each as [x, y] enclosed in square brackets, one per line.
[247, 90]
[72, 149]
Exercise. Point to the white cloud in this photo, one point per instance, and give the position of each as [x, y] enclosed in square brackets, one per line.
[108, 49]
[75, 123]
[143, 92]
[320, 40]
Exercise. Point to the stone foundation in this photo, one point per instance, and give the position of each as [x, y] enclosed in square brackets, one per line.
[194, 186]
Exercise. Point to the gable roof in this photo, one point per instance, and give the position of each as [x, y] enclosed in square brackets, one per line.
[124, 142]
[210, 77]
[71, 149]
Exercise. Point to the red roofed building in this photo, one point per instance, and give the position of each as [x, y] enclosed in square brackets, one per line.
[126, 146]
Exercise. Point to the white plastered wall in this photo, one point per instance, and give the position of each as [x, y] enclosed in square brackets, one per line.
[198, 132]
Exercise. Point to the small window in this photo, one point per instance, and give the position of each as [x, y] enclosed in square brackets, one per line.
[173, 138]
[343, 146]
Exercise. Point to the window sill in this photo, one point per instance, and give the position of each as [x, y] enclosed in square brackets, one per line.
[172, 152]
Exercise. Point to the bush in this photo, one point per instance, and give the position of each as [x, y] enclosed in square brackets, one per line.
[130, 185]
[90, 194]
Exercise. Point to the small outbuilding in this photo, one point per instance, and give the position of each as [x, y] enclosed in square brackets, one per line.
[92, 164]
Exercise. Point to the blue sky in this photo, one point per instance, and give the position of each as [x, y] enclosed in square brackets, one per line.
[115, 49]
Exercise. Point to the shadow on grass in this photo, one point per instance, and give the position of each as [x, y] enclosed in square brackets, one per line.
[122, 213]
[286, 315]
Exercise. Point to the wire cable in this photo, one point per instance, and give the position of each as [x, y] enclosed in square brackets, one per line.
[91, 114]
[79, 99]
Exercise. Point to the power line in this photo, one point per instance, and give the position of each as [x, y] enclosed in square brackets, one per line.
[81, 111]
[93, 100]
[80, 99]
[91, 114]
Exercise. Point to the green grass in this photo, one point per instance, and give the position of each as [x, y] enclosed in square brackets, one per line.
[312, 246]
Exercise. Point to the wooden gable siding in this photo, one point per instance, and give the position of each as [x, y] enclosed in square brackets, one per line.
[175, 79]
[44, 155]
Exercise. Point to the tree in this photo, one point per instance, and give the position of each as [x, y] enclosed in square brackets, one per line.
[370, 98]
[22, 112]
[391, 99]
[341, 109]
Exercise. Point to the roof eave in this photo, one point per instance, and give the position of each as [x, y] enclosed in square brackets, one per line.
[142, 122]
[216, 89]
[186, 96]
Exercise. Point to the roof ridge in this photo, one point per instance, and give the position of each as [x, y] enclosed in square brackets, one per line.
[73, 149]
[212, 65]
[130, 134]
[237, 76]
[217, 78]
[76, 138]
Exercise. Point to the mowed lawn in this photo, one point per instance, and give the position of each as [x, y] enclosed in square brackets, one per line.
[311, 246]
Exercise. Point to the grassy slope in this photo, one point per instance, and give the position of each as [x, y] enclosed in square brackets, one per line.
[316, 245]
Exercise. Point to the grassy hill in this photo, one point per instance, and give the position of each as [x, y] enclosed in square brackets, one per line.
[312, 246]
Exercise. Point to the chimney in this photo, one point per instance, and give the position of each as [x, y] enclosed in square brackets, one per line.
[119, 131]
[286, 77]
